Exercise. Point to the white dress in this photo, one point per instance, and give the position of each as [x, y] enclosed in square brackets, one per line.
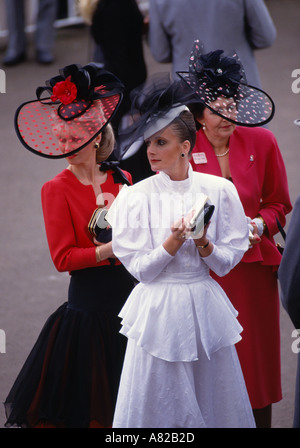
[180, 369]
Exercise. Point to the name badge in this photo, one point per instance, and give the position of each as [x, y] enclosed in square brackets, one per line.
[199, 157]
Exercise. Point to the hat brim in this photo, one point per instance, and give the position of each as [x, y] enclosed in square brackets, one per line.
[154, 105]
[253, 106]
[42, 130]
[156, 125]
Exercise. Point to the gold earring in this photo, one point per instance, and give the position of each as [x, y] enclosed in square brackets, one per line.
[97, 145]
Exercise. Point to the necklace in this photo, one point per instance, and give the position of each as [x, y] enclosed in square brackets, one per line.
[224, 153]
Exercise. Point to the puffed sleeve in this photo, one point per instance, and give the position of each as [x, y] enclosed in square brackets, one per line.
[131, 236]
[228, 231]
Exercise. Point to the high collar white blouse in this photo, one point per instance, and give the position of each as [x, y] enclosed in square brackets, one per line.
[178, 289]
[142, 215]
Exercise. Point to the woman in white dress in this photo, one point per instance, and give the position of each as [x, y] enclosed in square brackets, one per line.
[181, 369]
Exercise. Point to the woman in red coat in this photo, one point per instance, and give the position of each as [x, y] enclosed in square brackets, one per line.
[70, 379]
[250, 158]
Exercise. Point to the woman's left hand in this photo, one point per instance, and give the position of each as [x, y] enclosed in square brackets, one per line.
[203, 240]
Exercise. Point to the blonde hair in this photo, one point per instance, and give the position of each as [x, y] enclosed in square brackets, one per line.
[86, 9]
[107, 144]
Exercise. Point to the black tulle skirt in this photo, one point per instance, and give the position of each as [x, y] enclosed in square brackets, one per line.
[71, 377]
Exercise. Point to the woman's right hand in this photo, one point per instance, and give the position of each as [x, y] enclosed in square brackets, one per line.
[178, 235]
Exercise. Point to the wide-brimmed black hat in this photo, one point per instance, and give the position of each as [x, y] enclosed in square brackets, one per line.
[82, 101]
[219, 82]
[154, 105]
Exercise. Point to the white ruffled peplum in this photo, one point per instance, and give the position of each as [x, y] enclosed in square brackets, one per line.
[195, 305]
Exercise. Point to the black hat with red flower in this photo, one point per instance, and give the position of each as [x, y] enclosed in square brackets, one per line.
[219, 82]
[69, 112]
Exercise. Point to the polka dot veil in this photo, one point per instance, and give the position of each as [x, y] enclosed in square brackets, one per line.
[83, 101]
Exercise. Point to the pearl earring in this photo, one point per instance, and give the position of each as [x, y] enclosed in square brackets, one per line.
[97, 145]
[203, 126]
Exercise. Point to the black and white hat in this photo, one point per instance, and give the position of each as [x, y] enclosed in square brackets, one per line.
[215, 78]
[154, 105]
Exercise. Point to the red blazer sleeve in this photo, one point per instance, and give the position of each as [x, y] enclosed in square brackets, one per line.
[275, 201]
[259, 174]
[64, 243]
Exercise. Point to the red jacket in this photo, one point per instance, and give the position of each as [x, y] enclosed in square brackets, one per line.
[259, 175]
[68, 206]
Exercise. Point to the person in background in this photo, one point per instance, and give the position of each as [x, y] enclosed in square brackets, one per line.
[44, 36]
[117, 28]
[289, 278]
[240, 25]
[181, 369]
[232, 143]
[71, 377]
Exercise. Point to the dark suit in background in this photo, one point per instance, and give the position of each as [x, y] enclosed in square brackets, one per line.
[229, 25]
[117, 28]
[44, 36]
[289, 277]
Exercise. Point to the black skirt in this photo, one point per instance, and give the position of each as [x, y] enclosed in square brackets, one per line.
[71, 376]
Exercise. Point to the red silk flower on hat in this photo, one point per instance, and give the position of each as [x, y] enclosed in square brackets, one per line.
[64, 91]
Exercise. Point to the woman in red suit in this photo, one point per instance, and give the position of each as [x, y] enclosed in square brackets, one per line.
[71, 376]
[250, 158]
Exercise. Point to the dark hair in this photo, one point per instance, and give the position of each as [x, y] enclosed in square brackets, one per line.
[185, 128]
[197, 110]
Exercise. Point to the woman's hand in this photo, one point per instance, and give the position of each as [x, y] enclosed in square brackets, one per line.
[180, 229]
[103, 250]
[254, 237]
[204, 246]
[203, 240]
[178, 235]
